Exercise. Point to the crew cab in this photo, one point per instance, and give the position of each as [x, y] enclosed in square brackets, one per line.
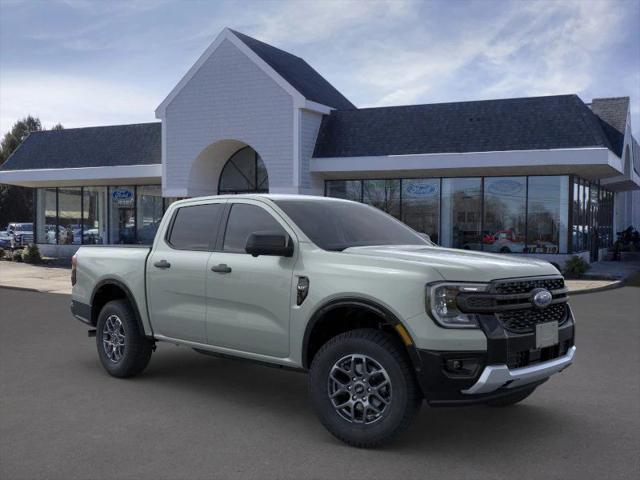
[380, 317]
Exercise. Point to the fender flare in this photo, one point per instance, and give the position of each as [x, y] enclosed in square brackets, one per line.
[131, 299]
[367, 304]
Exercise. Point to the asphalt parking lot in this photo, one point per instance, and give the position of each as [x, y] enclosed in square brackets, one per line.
[193, 416]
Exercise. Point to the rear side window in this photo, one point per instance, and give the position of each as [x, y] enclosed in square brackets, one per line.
[195, 228]
[244, 220]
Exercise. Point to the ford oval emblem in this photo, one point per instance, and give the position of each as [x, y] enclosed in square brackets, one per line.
[542, 298]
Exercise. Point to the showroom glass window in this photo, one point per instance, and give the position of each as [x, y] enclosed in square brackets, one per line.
[505, 204]
[461, 213]
[382, 194]
[149, 212]
[421, 205]
[122, 219]
[94, 216]
[70, 216]
[46, 215]
[547, 216]
[346, 189]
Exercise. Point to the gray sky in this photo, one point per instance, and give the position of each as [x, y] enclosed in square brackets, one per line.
[82, 62]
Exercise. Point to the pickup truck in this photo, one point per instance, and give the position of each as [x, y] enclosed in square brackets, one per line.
[381, 318]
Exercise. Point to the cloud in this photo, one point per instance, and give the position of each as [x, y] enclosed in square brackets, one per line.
[72, 100]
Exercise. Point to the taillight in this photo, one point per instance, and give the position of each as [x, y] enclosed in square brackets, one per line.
[74, 264]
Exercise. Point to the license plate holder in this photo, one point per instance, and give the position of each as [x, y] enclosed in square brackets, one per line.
[546, 334]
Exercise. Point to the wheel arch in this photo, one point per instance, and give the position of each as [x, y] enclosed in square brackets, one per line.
[111, 289]
[322, 316]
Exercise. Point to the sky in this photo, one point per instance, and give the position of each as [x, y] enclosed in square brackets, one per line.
[84, 63]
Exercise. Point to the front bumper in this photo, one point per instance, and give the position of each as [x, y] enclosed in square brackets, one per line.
[494, 377]
[510, 363]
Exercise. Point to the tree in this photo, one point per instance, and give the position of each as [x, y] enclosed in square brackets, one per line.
[16, 203]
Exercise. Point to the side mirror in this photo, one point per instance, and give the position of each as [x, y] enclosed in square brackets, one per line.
[268, 243]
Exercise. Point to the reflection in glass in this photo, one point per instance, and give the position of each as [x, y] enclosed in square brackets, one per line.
[69, 216]
[382, 194]
[505, 203]
[421, 205]
[94, 215]
[46, 216]
[548, 200]
[122, 222]
[346, 189]
[461, 213]
[149, 212]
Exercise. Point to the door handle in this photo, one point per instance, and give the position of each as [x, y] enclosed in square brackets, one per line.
[162, 264]
[222, 268]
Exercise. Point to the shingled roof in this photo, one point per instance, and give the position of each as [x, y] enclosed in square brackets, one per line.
[613, 116]
[534, 123]
[298, 73]
[137, 144]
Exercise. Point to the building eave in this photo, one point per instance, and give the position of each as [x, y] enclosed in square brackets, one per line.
[84, 176]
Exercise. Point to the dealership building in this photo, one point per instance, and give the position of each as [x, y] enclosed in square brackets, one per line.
[548, 176]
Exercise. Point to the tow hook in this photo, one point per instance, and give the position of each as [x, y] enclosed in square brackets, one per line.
[92, 332]
[153, 347]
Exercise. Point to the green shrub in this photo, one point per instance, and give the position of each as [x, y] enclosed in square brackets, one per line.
[575, 267]
[1, 253]
[16, 256]
[31, 254]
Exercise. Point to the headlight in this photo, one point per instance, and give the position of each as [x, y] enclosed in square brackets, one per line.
[442, 304]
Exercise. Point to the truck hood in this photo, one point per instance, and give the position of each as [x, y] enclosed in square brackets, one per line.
[461, 265]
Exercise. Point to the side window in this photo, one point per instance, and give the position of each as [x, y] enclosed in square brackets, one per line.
[194, 228]
[244, 220]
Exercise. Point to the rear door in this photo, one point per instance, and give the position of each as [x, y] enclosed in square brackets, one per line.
[177, 272]
[249, 298]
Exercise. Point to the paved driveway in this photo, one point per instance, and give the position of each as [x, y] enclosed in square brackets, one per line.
[192, 416]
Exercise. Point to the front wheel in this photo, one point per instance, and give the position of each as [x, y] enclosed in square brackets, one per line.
[363, 388]
[123, 349]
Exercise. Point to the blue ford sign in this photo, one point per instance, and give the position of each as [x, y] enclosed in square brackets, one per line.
[417, 189]
[122, 194]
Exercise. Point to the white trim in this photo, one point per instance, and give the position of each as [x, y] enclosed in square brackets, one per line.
[453, 161]
[227, 34]
[317, 107]
[297, 113]
[82, 175]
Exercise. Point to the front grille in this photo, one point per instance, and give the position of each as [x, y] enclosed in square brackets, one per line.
[524, 358]
[525, 320]
[525, 286]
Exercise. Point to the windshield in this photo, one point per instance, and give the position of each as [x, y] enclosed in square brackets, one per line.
[336, 225]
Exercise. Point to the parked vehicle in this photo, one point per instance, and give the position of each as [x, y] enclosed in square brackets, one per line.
[19, 234]
[379, 316]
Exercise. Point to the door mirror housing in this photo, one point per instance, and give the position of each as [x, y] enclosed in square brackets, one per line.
[269, 243]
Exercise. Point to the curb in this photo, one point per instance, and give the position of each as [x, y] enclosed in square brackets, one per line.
[29, 289]
[613, 286]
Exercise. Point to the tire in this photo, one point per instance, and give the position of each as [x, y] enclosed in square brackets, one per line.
[511, 399]
[386, 359]
[132, 357]
[505, 250]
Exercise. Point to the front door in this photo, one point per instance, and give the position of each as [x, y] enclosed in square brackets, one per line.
[177, 273]
[249, 298]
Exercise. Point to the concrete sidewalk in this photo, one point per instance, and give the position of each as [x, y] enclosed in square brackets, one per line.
[38, 278]
[54, 279]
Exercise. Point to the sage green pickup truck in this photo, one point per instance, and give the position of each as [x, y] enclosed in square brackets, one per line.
[380, 317]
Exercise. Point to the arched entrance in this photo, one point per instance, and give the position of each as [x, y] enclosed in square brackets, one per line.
[244, 172]
[227, 166]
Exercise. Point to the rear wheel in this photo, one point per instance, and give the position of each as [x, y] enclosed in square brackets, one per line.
[123, 349]
[512, 399]
[363, 387]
